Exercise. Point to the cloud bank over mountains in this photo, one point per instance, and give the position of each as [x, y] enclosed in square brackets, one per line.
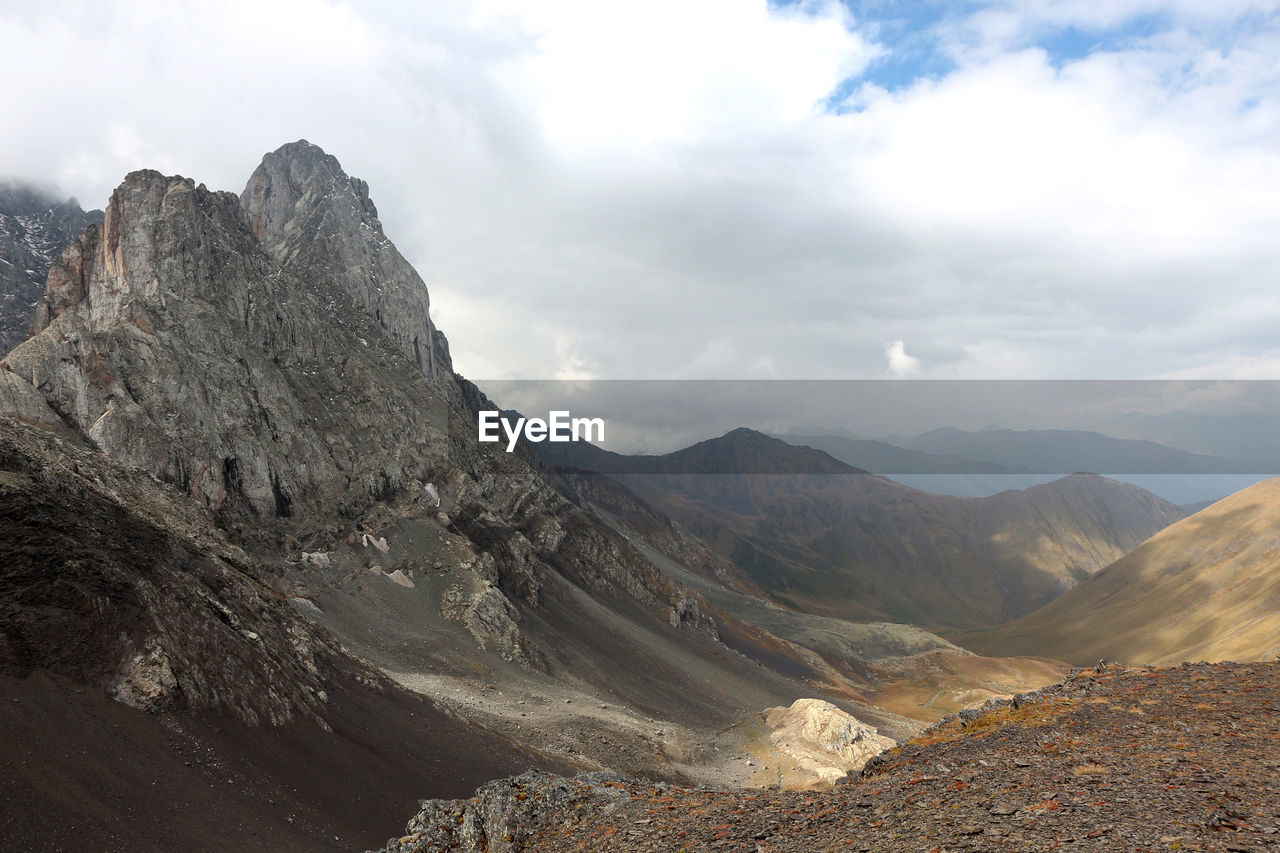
[1019, 189]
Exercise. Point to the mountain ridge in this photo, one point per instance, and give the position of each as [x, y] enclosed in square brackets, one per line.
[739, 451]
[881, 457]
[834, 540]
[1217, 570]
[255, 375]
[1062, 451]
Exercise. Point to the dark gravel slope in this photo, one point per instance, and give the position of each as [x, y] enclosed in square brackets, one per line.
[157, 695]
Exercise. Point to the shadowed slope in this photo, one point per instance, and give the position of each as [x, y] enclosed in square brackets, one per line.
[158, 695]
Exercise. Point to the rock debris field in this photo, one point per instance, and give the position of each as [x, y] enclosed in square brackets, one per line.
[1113, 758]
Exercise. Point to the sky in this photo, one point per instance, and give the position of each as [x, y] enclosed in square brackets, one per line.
[729, 189]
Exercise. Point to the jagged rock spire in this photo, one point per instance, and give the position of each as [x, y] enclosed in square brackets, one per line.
[318, 222]
[173, 340]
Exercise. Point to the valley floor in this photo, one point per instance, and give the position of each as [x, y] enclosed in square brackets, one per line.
[1184, 758]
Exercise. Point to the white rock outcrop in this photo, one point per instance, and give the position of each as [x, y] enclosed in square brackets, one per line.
[822, 739]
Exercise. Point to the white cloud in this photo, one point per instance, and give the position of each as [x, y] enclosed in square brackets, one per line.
[632, 76]
[901, 365]
[1265, 365]
[655, 190]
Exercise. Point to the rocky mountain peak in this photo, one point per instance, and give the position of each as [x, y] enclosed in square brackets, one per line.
[160, 239]
[176, 341]
[297, 192]
[282, 381]
[746, 451]
[296, 178]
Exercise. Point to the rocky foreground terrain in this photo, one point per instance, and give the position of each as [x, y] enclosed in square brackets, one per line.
[1113, 758]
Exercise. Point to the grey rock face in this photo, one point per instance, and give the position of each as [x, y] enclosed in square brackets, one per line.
[21, 401]
[171, 339]
[34, 229]
[146, 682]
[299, 193]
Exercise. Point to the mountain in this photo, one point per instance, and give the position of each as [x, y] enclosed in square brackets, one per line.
[739, 452]
[180, 342]
[880, 457]
[299, 192]
[1207, 587]
[282, 380]
[35, 227]
[271, 357]
[1065, 451]
[1252, 435]
[830, 539]
[904, 669]
[813, 429]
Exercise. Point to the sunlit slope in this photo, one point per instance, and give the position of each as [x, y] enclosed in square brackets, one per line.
[1207, 587]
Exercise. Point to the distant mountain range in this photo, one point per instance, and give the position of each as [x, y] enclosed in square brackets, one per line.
[1241, 435]
[740, 452]
[993, 452]
[1067, 451]
[880, 457]
[833, 539]
[977, 464]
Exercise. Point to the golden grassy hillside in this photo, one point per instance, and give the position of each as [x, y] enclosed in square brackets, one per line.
[1205, 588]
